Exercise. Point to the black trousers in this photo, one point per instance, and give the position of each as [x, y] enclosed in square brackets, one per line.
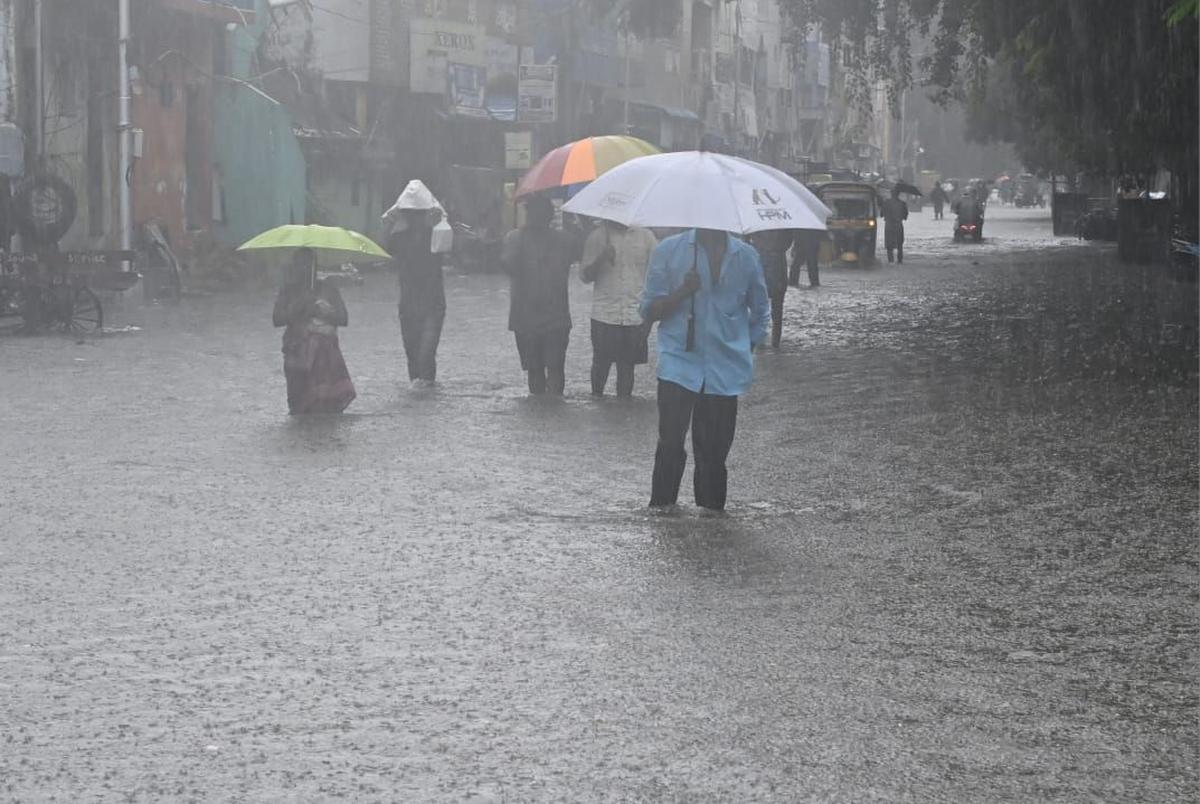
[713, 420]
[776, 319]
[810, 252]
[893, 240]
[421, 334]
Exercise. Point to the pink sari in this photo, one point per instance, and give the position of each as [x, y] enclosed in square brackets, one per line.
[317, 378]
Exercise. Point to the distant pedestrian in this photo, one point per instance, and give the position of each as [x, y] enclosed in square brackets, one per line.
[772, 248]
[538, 258]
[615, 258]
[939, 198]
[422, 287]
[806, 250]
[312, 310]
[706, 290]
[895, 213]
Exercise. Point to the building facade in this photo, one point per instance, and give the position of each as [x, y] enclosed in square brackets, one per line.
[252, 113]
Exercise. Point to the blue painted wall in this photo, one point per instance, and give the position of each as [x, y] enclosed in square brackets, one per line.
[260, 165]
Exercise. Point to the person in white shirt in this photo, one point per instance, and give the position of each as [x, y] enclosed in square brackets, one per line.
[615, 258]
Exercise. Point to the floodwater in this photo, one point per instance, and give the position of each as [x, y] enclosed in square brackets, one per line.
[959, 564]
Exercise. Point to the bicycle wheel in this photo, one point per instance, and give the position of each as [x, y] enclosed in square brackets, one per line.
[86, 316]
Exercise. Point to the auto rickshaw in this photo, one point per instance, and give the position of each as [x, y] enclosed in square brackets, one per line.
[853, 226]
[1029, 192]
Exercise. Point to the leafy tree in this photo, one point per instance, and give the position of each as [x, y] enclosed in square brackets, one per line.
[1102, 85]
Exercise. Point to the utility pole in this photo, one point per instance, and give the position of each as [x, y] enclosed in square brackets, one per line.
[39, 85]
[737, 74]
[623, 21]
[124, 124]
[627, 61]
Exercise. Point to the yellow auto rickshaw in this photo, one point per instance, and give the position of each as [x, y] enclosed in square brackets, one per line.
[854, 224]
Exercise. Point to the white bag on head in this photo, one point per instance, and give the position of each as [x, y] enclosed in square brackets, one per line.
[417, 196]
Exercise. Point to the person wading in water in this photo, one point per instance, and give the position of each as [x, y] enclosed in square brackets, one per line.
[706, 289]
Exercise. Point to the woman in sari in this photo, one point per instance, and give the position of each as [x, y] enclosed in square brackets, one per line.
[312, 310]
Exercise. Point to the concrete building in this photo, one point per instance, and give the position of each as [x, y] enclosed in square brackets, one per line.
[251, 113]
[58, 82]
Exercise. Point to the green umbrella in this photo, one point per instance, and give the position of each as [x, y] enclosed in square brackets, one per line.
[332, 244]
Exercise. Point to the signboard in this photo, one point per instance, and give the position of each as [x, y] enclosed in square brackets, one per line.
[436, 44]
[15, 260]
[537, 93]
[500, 58]
[518, 150]
[468, 88]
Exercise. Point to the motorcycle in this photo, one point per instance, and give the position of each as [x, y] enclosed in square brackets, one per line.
[968, 223]
[965, 230]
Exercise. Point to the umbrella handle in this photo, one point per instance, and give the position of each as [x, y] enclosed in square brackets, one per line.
[691, 330]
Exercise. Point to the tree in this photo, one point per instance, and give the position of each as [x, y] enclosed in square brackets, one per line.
[1102, 85]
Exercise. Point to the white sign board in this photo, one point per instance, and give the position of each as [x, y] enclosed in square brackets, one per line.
[537, 93]
[436, 44]
[518, 150]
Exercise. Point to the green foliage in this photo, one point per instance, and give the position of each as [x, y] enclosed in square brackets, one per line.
[1182, 10]
[1102, 85]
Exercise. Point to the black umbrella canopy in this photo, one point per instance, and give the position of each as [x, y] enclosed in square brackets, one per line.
[906, 188]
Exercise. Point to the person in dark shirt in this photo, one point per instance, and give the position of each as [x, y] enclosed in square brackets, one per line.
[537, 258]
[772, 248]
[939, 198]
[895, 213]
[422, 291]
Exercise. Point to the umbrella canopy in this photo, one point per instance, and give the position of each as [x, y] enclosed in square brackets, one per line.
[699, 189]
[332, 244]
[582, 161]
[907, 188]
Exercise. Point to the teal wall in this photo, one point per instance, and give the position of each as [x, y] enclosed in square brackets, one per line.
[259, 161]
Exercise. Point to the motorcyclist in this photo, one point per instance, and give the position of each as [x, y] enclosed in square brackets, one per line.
[968, 209]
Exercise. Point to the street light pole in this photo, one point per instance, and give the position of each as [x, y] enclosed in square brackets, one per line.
[737, 74]
[39, 84]
[124, 124]
[627, 61]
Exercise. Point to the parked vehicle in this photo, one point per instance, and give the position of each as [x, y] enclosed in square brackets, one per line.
[1098, 223]
[853, 226]
[1029, 192]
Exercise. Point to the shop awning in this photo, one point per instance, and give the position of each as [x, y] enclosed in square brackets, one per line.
[673, 112]
[677, 113]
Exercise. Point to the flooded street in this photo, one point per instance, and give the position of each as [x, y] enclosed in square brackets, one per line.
[959, 562]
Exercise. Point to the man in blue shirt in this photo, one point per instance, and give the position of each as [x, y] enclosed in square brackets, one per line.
[706, 289]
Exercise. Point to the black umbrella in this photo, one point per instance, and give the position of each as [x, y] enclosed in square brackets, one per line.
[907, 188]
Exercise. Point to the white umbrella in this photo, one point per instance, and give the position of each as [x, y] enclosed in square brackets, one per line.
[699, 189]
